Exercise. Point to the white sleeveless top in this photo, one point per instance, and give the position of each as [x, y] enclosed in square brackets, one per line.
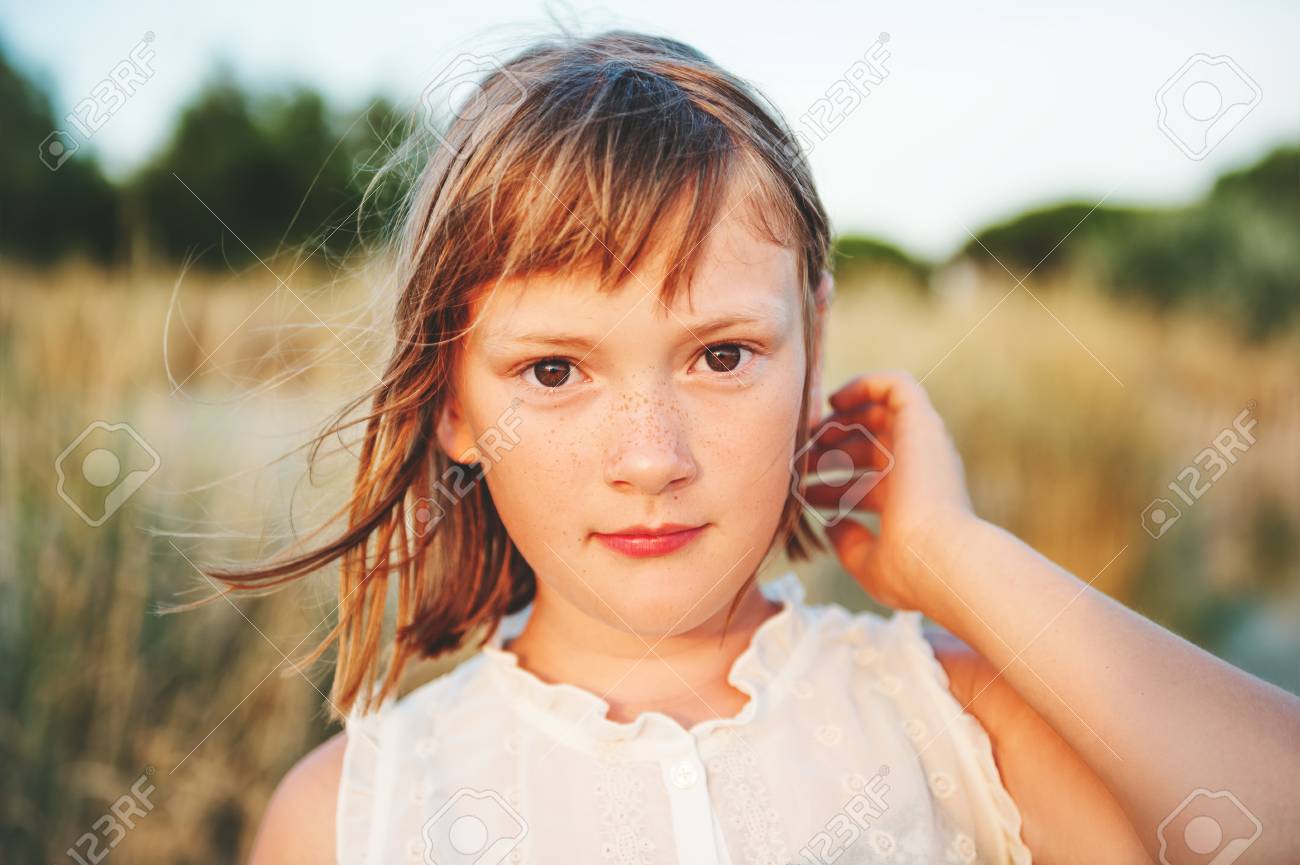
[851, 749]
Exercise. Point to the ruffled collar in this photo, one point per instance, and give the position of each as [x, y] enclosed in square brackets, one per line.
[577, 716]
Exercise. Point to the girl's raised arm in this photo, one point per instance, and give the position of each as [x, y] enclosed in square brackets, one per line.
[1175, 733]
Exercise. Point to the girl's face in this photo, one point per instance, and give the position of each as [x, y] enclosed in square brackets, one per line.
[624, 419]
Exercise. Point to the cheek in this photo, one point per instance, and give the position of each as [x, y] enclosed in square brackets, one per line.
[747, 441]
[538, 485]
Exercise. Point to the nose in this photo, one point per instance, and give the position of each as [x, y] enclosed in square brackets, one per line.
[648, 452]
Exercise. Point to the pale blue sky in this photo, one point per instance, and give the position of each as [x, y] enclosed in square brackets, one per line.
[984, 111]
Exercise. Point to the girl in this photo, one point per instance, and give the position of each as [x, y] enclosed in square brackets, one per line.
[595, 431]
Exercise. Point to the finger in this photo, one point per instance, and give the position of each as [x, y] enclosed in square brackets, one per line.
[856, 547]
[901, 409]
[895, 389]
[866, 497]
[848, 453]
[863, 422]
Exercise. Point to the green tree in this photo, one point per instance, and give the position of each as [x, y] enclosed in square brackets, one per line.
[53, 206]
[855, 254]
[262, 174]
[1234, 252]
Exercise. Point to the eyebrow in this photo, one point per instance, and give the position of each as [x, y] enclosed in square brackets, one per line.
[583, 342]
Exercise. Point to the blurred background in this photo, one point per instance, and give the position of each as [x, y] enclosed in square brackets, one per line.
[1082, 230]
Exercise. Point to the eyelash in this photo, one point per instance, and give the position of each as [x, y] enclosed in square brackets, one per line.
[739, 372]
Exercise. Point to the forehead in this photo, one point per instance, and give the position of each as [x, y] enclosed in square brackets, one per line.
[740, 274]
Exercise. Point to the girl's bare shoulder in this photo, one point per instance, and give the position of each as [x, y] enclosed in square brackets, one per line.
[1064, 804]
[298, 826]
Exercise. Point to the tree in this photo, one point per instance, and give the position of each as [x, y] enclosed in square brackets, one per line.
[53, 206]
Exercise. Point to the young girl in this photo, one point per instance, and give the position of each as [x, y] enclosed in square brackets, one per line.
[602, 419]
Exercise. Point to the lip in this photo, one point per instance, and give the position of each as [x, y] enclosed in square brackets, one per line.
[645, 541]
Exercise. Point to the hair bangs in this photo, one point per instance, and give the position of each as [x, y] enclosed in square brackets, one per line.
[627, 175]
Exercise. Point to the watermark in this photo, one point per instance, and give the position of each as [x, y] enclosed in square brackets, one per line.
[1204, 101]
[833, 465]
[1207, 828]
[106, 98]
[1162, 513]
[457, 93]
[102, 468]
[109, 830]
[456, 481]
[841, 99]
[850, 823]
[474, 826]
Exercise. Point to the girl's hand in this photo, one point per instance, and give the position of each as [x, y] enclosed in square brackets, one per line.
[884, 422]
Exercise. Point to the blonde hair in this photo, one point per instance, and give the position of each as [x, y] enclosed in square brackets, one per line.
[576, 154]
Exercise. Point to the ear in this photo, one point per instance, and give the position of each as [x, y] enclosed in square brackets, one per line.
[822, 297]
[454, 434]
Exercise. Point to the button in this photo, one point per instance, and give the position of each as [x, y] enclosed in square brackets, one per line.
[942, 785]
[882, 841]
[685, 775]
[915, 729]
[828, 734]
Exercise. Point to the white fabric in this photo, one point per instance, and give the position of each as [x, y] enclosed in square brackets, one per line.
[851, 749]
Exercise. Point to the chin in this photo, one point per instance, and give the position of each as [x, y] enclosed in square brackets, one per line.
[664, 606]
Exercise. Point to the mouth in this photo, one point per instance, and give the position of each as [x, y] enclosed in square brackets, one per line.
[646, 541]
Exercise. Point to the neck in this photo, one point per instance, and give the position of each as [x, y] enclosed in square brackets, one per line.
[681, 675]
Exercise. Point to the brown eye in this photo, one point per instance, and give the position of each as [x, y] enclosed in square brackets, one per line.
[552, 372]
[724, 357]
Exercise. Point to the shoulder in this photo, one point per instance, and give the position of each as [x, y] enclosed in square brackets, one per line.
[1064, 804]
[1012, 725]
[902, 655]
[973, 681]
[298, 826]
[904, 639]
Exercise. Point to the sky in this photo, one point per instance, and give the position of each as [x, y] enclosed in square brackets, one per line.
[971, 114]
